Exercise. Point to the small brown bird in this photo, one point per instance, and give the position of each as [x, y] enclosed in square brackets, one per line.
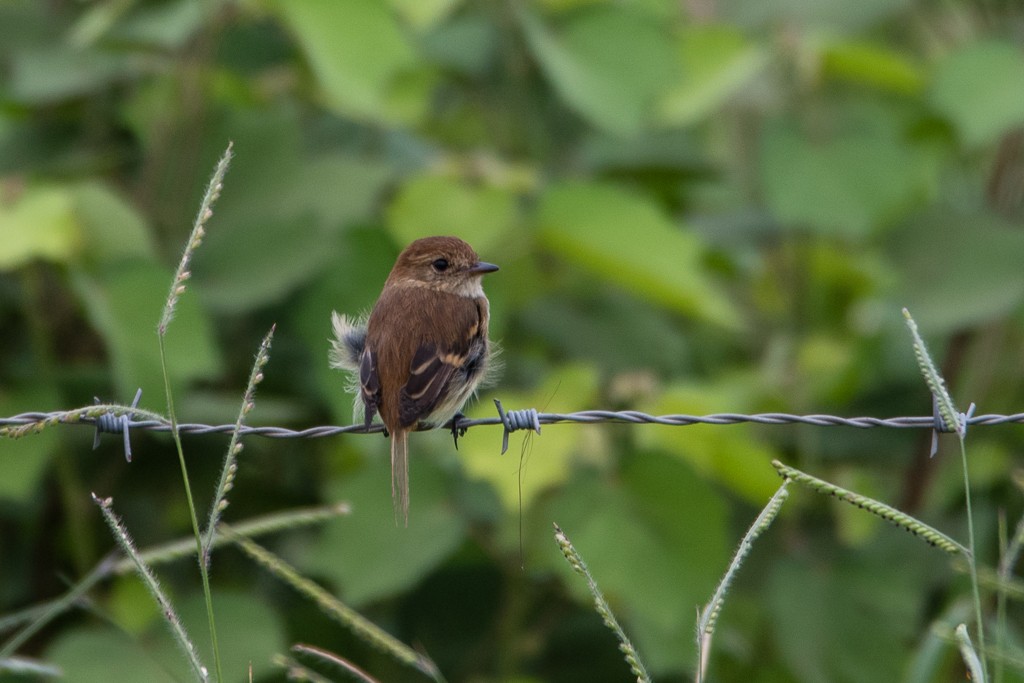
[424, 350]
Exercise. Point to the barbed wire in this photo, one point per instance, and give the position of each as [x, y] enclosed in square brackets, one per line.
[120, 421]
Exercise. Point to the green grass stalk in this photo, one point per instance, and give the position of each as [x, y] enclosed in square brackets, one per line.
[974, 664]
[333, 659]
[1008, 556]
[957, 423]
[929, 534]
[32, 669]
[708, 617]
[334, 608]
[150, 581]
[296, 671]
[38, 616]
[602, 607]
[181, 275]
[230, 467]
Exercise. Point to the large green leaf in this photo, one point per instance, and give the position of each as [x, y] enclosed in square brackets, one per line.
[424, 14]
[808, 18]
[957, 269]
[248, 634]
[624, 238]
[238, 272]
[100, 655]
[439, 205]
[361, 59]
[112, 229]
[575, 325]
[734, 457]
[280, 220]
[872, 64]
[655, 543]
[56, 72]
[166, 25]
[123, 304]
[608, 63]
[65, 222]
[468, 43]
[980, 88]
[367, 553]
[848, 183]
[846, 618]
[38, 224]
[717, 62]
[350, 285]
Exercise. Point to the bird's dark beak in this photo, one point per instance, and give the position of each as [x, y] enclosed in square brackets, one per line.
[483, 267]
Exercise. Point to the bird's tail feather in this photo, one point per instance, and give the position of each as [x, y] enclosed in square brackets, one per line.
[400, 474]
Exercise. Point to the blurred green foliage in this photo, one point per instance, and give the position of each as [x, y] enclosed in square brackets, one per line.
[698, 206]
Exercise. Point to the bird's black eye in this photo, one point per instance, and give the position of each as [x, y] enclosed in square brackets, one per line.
[440, 265]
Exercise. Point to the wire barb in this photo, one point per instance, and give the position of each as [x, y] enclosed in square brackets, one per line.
[940, 426]
[112, 424]
[516, 419]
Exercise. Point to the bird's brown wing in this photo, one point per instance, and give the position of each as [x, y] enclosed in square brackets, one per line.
[430, 377]
[369, 384]
[440, 371]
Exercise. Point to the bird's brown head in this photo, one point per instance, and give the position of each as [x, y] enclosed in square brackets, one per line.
[442, 263]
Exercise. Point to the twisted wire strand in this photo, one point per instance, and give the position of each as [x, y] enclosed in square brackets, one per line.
[579, 417]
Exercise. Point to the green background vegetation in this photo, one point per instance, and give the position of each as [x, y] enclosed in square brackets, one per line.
[697, 206]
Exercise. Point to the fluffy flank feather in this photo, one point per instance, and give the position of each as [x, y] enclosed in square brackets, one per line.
[349, 340]
[495, 367]
[346, 347]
